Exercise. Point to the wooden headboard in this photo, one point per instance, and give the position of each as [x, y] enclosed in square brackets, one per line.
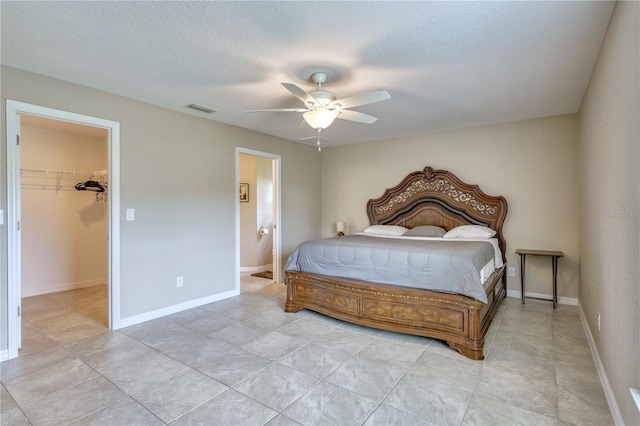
[438, 197]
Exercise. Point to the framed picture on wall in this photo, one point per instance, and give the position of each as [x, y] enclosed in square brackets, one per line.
[244, 192]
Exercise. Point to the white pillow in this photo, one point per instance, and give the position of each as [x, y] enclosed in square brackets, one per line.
[392, 230]
[470, 231]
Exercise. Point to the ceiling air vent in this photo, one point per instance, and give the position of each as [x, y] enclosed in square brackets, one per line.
[202, 108]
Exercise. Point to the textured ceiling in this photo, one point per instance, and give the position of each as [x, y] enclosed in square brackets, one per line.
[446, 64]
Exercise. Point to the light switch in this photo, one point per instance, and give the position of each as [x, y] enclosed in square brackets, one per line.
[131, 214]
[1, 217]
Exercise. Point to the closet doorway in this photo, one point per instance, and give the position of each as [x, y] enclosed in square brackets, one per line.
[258, 215]
[63, 190]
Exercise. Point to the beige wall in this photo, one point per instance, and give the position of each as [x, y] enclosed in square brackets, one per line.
[178, 172]
[610, 205]
[64, 232]
[531, 163]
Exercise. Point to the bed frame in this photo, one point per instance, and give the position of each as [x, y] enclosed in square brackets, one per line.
[427, 197]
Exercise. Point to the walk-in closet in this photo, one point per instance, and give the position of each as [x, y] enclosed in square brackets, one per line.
[64, 190]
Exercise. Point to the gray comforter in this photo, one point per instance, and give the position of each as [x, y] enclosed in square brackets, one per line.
[449, 266]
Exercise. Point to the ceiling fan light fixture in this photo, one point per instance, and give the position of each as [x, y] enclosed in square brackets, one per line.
[320, 118]
[323, 97]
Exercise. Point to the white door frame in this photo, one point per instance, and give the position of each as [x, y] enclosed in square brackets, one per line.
[14, 109]
[277, 236]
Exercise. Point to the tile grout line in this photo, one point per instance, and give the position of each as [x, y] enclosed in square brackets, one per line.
[395, 386]
[484, 361]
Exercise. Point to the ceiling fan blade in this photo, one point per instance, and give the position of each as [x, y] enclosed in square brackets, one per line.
[359, 117]
[301, 94]
[362, 99]
[280, 110]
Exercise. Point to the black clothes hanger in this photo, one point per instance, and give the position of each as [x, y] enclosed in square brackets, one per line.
[90, 185]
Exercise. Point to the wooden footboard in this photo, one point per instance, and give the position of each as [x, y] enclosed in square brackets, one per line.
[460, 320]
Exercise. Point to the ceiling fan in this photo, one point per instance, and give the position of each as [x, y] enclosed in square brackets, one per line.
[321, 107]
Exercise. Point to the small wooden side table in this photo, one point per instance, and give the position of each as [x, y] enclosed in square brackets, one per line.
[555, 255]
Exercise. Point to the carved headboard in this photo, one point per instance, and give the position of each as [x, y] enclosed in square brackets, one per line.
[438, 197]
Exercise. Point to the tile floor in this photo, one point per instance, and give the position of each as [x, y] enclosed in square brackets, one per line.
[243, 361]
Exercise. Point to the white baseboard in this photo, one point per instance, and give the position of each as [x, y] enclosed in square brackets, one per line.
[253, 269]
[64, 287]
[4, 355]
[608, 392]
[561, 300]
[137, 319]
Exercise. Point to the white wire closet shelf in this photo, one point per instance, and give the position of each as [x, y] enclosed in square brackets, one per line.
[59, 179]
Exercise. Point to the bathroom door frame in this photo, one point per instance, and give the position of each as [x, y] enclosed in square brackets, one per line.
[277, 235]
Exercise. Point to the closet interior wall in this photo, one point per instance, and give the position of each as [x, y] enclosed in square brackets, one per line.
[64, 232]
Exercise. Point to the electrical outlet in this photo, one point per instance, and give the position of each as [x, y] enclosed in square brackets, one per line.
[598, 321]
[512, 271]
[179, 281]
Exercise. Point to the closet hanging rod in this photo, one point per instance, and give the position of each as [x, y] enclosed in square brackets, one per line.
[59, 179]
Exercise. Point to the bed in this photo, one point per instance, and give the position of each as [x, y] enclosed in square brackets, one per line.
[426, 197]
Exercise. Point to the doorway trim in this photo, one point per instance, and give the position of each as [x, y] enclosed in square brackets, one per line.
[277, 235]
[14, 109]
